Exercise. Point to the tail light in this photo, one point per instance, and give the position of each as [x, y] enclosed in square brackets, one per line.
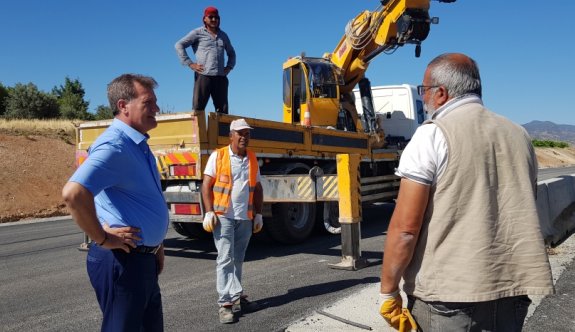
[183, 170]
[179, 165]
[186, 208]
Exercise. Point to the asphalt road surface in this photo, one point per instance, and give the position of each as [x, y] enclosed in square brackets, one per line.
[549, 173]
[44, 285]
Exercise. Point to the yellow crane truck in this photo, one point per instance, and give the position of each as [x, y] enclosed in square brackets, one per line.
[297, 157]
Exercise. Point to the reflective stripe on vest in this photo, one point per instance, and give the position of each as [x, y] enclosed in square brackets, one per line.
[223, 185]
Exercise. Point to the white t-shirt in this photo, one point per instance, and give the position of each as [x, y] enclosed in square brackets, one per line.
[240, 195]
[425, 157]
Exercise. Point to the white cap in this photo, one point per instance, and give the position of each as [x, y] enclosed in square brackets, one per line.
[239, 124]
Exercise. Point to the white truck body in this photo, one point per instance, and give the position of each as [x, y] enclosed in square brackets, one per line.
[398, 109]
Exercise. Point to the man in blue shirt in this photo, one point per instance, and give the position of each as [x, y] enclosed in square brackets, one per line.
[115, 197]
[209, 44]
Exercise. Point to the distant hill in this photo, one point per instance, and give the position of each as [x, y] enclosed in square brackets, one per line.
[546, 130]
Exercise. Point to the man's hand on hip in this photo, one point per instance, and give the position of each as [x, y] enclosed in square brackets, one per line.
[120, 237]
[197, 67]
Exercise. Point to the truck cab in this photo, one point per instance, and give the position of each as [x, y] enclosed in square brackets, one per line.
[311, 92]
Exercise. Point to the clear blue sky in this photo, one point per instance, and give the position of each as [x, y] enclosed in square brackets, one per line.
[524, 49]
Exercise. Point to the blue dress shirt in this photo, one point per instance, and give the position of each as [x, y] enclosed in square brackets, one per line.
[121, 173]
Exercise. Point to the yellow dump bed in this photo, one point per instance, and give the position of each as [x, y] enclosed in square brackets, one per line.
[175, 143]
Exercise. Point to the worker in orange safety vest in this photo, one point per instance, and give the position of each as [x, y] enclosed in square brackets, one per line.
[233, 199]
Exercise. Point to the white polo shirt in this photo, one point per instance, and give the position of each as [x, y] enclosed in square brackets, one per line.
[240, 195]
[426, 155]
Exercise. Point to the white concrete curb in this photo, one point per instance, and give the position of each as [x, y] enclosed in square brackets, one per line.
[556, 208]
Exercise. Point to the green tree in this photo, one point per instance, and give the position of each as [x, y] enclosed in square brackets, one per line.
[70, 97]
[103, 113]
[3, 97]
[549, 144]
[25, 101]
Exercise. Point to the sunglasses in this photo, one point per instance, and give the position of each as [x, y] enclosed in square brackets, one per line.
[214, 17]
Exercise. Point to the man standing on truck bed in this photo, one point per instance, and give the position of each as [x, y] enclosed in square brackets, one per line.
[233, 200]
[465, 235]
[210, 75]
[115, 197]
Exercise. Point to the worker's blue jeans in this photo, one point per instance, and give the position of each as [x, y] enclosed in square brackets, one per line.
[231, 237]
[505, 314]
[127, 289]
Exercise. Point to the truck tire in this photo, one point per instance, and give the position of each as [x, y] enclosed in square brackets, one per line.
[292, 222]
[329, 215]
[328, 212]
[191, 230]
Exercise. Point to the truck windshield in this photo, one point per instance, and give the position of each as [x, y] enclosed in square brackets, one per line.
[321, 73]
[323, 80]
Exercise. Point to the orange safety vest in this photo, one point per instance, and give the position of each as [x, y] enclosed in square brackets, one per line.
[223, 185]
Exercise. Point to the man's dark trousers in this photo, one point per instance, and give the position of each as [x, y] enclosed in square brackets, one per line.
[127, 289]
[214, 86]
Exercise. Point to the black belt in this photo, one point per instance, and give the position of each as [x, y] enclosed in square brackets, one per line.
[145, 250]
[140, 249]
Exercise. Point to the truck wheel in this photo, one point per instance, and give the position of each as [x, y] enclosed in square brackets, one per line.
[191, 229]
[292, 222]
[328, 212]
[330, 217]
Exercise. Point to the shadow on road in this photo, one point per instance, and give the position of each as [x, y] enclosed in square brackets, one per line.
[375, 222]
[312, 290]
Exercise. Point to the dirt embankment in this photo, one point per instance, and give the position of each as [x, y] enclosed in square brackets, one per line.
[554, 157]
[33, 170]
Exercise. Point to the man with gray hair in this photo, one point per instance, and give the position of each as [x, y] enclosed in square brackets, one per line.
[464, 243]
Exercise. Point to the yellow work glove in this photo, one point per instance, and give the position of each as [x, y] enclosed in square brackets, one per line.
[258, 223]
[394, 314]
[210, 221]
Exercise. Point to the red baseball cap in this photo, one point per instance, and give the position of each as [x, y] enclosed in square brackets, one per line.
[213, 11]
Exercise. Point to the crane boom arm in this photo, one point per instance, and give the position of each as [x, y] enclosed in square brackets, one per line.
[318, 91]
[393, 24]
